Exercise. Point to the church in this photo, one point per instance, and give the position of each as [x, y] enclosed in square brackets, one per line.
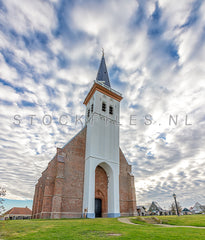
[89, 177]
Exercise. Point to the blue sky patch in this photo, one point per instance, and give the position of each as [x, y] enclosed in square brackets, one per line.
[17, 89]
[194, 14]
[162, 136]
[27, 104]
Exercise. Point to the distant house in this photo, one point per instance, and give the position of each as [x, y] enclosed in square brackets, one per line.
[186, 211]
[198, 208]
[18, 213]
[156, 209]
[141, 211]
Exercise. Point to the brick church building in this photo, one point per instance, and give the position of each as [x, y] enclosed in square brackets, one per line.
[89, 176]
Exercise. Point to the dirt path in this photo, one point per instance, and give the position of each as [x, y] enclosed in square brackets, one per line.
[167, 225]
[127, 220]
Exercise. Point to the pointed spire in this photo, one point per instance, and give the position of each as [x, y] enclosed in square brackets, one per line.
[102, 75]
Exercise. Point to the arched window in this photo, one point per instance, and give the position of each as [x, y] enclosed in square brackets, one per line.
[111, 110]
[104, 107]
[88, 113]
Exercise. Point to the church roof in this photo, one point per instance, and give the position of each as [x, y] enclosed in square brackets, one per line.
[102, 75]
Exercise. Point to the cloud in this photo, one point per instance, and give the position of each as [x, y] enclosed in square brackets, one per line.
[49, 56]
[28, 16]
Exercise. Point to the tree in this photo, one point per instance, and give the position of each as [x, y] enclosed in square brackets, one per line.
[2, 194]
[173, 208]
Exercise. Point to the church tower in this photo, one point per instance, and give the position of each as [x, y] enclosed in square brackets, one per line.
[102, 146]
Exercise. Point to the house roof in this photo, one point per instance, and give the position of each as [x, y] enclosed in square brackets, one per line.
[186, 210]
[198, 207]
[197, 204]
[20, 211]
[155, 205]
[138, 207]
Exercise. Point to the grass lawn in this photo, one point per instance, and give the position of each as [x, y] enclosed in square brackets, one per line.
[185, 220]
[92, 229]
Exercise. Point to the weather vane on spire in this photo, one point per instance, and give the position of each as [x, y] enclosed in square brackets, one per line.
[103, 52]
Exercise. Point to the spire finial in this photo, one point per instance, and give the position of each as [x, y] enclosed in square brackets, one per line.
[103, 52]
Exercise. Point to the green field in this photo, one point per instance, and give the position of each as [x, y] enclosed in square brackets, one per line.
[98, 229]
[191, 220]
[186, 220]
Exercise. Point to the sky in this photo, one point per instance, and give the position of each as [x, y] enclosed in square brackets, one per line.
[50, 51]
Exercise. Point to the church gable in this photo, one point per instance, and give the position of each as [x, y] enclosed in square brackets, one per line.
[124, 166]
[60, 188]
[76, 144]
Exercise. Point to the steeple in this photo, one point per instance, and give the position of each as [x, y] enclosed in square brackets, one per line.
[102, 75]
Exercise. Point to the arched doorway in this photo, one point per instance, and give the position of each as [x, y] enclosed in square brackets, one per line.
[101, 194]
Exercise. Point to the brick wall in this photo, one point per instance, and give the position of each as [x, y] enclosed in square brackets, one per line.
[127, 189]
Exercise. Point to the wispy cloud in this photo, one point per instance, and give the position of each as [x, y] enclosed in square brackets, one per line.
[49, 55]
